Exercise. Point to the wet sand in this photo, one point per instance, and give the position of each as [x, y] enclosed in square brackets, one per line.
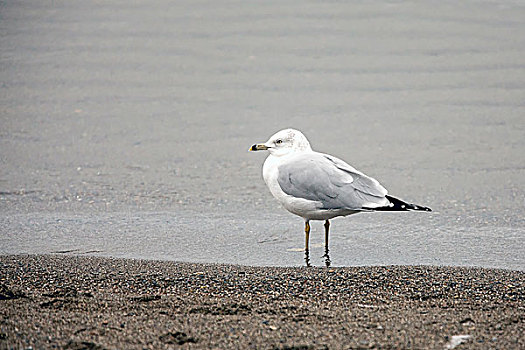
[51, 301]
[124, 127]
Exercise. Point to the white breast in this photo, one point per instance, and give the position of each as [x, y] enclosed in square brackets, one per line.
[299, 206]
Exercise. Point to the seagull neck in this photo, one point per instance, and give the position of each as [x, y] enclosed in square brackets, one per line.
[293, 153]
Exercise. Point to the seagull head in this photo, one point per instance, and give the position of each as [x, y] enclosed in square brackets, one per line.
[284, 142]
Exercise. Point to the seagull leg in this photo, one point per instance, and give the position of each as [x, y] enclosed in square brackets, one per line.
[326, 232]
[307, 234]
[306, 240]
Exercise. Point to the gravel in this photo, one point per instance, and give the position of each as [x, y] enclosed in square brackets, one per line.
[72, 302]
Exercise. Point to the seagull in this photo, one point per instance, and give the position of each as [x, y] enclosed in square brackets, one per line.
[318, 186]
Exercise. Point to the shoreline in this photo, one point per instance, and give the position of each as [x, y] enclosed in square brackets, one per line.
[84, 302]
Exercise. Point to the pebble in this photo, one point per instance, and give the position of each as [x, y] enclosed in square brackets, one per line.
[98, 303]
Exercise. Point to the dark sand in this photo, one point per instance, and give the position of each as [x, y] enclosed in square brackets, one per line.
[94, 303]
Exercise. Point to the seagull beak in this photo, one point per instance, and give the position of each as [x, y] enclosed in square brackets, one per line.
[258, 147]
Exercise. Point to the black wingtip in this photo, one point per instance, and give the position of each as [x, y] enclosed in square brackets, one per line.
[399, 205]
[418, 207]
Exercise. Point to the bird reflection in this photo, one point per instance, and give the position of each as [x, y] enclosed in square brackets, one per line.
[326, 256]
[307, 258]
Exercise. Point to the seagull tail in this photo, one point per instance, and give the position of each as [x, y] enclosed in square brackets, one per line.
[399, 205]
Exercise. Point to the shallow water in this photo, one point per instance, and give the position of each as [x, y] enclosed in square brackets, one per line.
[124, 127]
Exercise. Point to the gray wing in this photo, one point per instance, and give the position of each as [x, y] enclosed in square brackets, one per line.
[329, 181]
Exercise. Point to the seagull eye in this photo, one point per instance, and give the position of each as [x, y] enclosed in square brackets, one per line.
[278, 142]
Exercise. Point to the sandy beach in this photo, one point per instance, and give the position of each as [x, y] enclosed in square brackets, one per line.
[70, 302]
[124, 127]
[130, 208]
